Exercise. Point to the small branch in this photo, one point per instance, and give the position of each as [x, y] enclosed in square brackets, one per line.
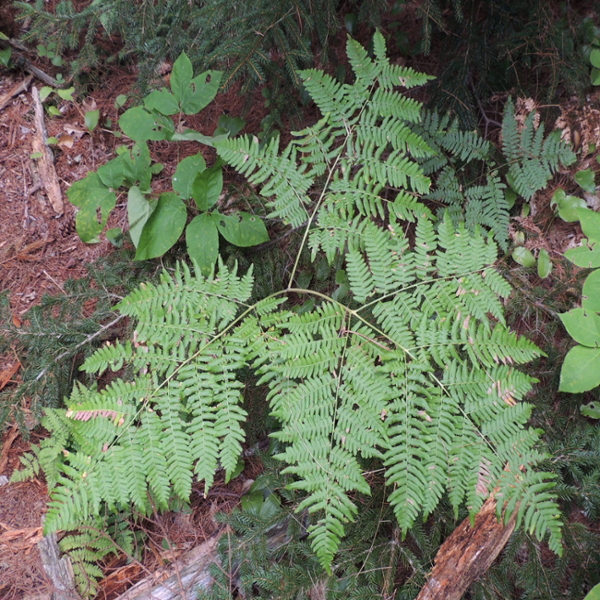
[15, 91]
[87, 340]
[45, 163]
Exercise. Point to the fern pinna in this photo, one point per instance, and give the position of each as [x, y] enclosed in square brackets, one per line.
[417, 370]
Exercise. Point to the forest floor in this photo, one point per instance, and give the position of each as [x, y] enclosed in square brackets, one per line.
[40, 250]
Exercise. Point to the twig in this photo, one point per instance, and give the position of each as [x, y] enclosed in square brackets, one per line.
[87, 340]
[487, 120]
[15, 91]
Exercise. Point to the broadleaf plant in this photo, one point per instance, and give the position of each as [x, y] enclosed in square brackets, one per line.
[156, 224]
[416, 370]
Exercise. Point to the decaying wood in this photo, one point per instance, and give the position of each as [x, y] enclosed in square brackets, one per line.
[20, 539]
[22, 86]
[181, 579]
[467, 554]
[58, 569]
[45, 163]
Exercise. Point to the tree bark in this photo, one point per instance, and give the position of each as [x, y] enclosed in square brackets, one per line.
[467, 554]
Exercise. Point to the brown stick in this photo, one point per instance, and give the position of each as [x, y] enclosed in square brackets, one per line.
[467, 554]
[15, 91]
[46, 162]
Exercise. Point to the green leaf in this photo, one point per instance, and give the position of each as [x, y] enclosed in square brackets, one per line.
[162, 101]
[111, 174]
[567, 205]
[45, 92]
[136, 166]
[591, 292]
[523, 256]
[590, 223]
[581, 370]
[510, 196]
[591, 410]
[66, 94]
[350, 22]
[586, 256]
[140, 125]
[115, 236]
[163, 228]
[229, 126]
[95, 202]
[586, 180]
[186, 173]
[595, 58]
[194, 136]
[51, 141]
[202, 239]
[203, 89]
[157, 168]
[35, 155]
[241, 229]
[138, 213]
[181, 77]
[120, 101]
[207, 187]
[583, 326]
[544, 264]
[595, 76]
[5, 54]
[52, 110]
[91, 119]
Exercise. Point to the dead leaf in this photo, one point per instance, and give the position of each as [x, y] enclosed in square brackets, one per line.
[66, 141]
[7, 374]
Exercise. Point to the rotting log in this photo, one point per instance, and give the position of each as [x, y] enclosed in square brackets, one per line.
[181, 579]
[45, 163]
[58, 569]
[467, 554]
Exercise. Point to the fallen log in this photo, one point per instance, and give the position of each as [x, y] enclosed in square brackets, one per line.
[181, 579]
[467, 554]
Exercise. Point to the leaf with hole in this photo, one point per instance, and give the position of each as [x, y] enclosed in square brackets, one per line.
[581, 370]
[241, 229]
[583, 326]
[186, 173]
[591, 410]
[202, 239]
[586, 256]
[163, 228]
[136, 166]
[207, 187]
[95, 202]
[203, 88]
